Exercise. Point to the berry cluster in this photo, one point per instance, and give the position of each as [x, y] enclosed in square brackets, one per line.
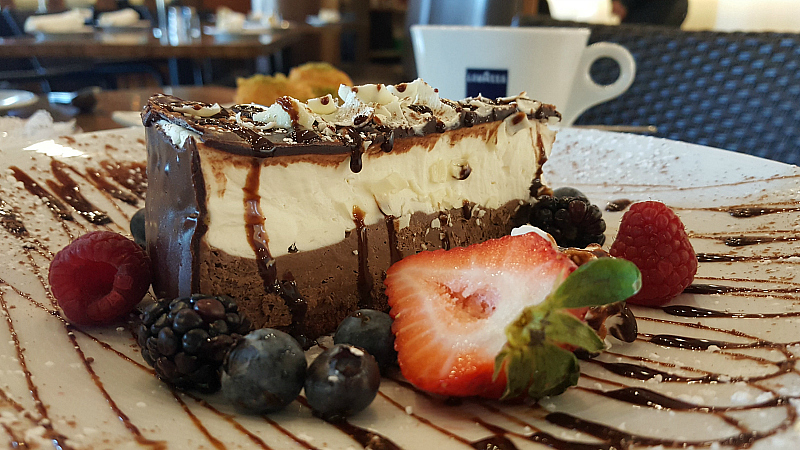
[267, 369]
[569, 217]
[186, 339]
[197, 343]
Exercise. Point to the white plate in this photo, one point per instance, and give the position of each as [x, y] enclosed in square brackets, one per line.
[126, 407]
[13, 99]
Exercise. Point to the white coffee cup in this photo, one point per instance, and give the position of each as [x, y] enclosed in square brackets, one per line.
[550, 64]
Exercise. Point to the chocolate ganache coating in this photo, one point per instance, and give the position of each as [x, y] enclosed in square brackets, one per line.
[237, 130]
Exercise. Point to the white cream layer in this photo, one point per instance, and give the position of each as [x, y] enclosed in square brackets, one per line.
[311, 206]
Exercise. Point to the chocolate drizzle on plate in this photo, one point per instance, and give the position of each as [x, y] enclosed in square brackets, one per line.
[99, 179]
[130, 174]
[10, 220]
[55, 205]
[69, 191]
[708, 289]
[618, 205]
[636, 380]
[755, 211]
[741, 241]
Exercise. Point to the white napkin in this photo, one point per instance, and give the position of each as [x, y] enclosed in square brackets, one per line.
[122, 18]
[325, 16]
[66, 22]
[229, 21]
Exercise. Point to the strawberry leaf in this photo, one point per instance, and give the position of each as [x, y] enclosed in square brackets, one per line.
[556, 370]
[564, 328]
[518, 365]
[598, 282]
[533, 357]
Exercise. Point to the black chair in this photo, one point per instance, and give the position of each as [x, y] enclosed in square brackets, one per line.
[736, 91]
[22, 72]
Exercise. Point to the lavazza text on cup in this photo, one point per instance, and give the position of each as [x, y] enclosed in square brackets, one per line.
[551, 64]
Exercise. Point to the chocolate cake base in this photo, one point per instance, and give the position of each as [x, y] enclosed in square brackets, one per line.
[323, 286]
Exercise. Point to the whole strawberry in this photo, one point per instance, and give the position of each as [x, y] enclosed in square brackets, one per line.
[99, 278]
[653, 237]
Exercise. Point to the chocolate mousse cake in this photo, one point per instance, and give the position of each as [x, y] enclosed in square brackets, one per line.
[297, 209]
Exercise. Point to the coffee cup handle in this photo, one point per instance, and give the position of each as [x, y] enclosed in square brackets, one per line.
[585, 92]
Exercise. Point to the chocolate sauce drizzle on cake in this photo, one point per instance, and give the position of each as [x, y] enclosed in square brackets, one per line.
[365, 281]
[391, 230]
[254, 223]
[257, 237]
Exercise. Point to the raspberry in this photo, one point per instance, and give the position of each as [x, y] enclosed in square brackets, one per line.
[652, 237]
[99, 278]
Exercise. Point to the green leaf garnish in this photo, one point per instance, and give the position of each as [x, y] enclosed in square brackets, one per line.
[533, 356]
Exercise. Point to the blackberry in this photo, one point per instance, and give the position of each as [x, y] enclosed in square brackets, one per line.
[186, 339]
[572, 221]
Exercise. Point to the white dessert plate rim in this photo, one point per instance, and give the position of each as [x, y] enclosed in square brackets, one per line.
[697, 180]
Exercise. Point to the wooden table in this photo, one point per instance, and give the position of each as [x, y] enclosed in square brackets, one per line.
[108, 47]
[135, 99]
[123, 100]
[102, 47]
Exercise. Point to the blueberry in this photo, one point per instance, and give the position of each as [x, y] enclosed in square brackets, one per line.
[137, 228]
[341, 381]
[566, 191]
[371, 330]
[264, 371]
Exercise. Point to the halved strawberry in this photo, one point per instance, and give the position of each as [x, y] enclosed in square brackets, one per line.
[451, 308]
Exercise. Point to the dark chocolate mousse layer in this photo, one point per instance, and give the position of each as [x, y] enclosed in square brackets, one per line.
[332, 281]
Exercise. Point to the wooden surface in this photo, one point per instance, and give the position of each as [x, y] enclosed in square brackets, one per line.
[108, 47]
[100, 118]
[135, 99]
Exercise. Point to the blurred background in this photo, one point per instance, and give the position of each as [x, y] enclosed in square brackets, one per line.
[703, 67]
[368, 39]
